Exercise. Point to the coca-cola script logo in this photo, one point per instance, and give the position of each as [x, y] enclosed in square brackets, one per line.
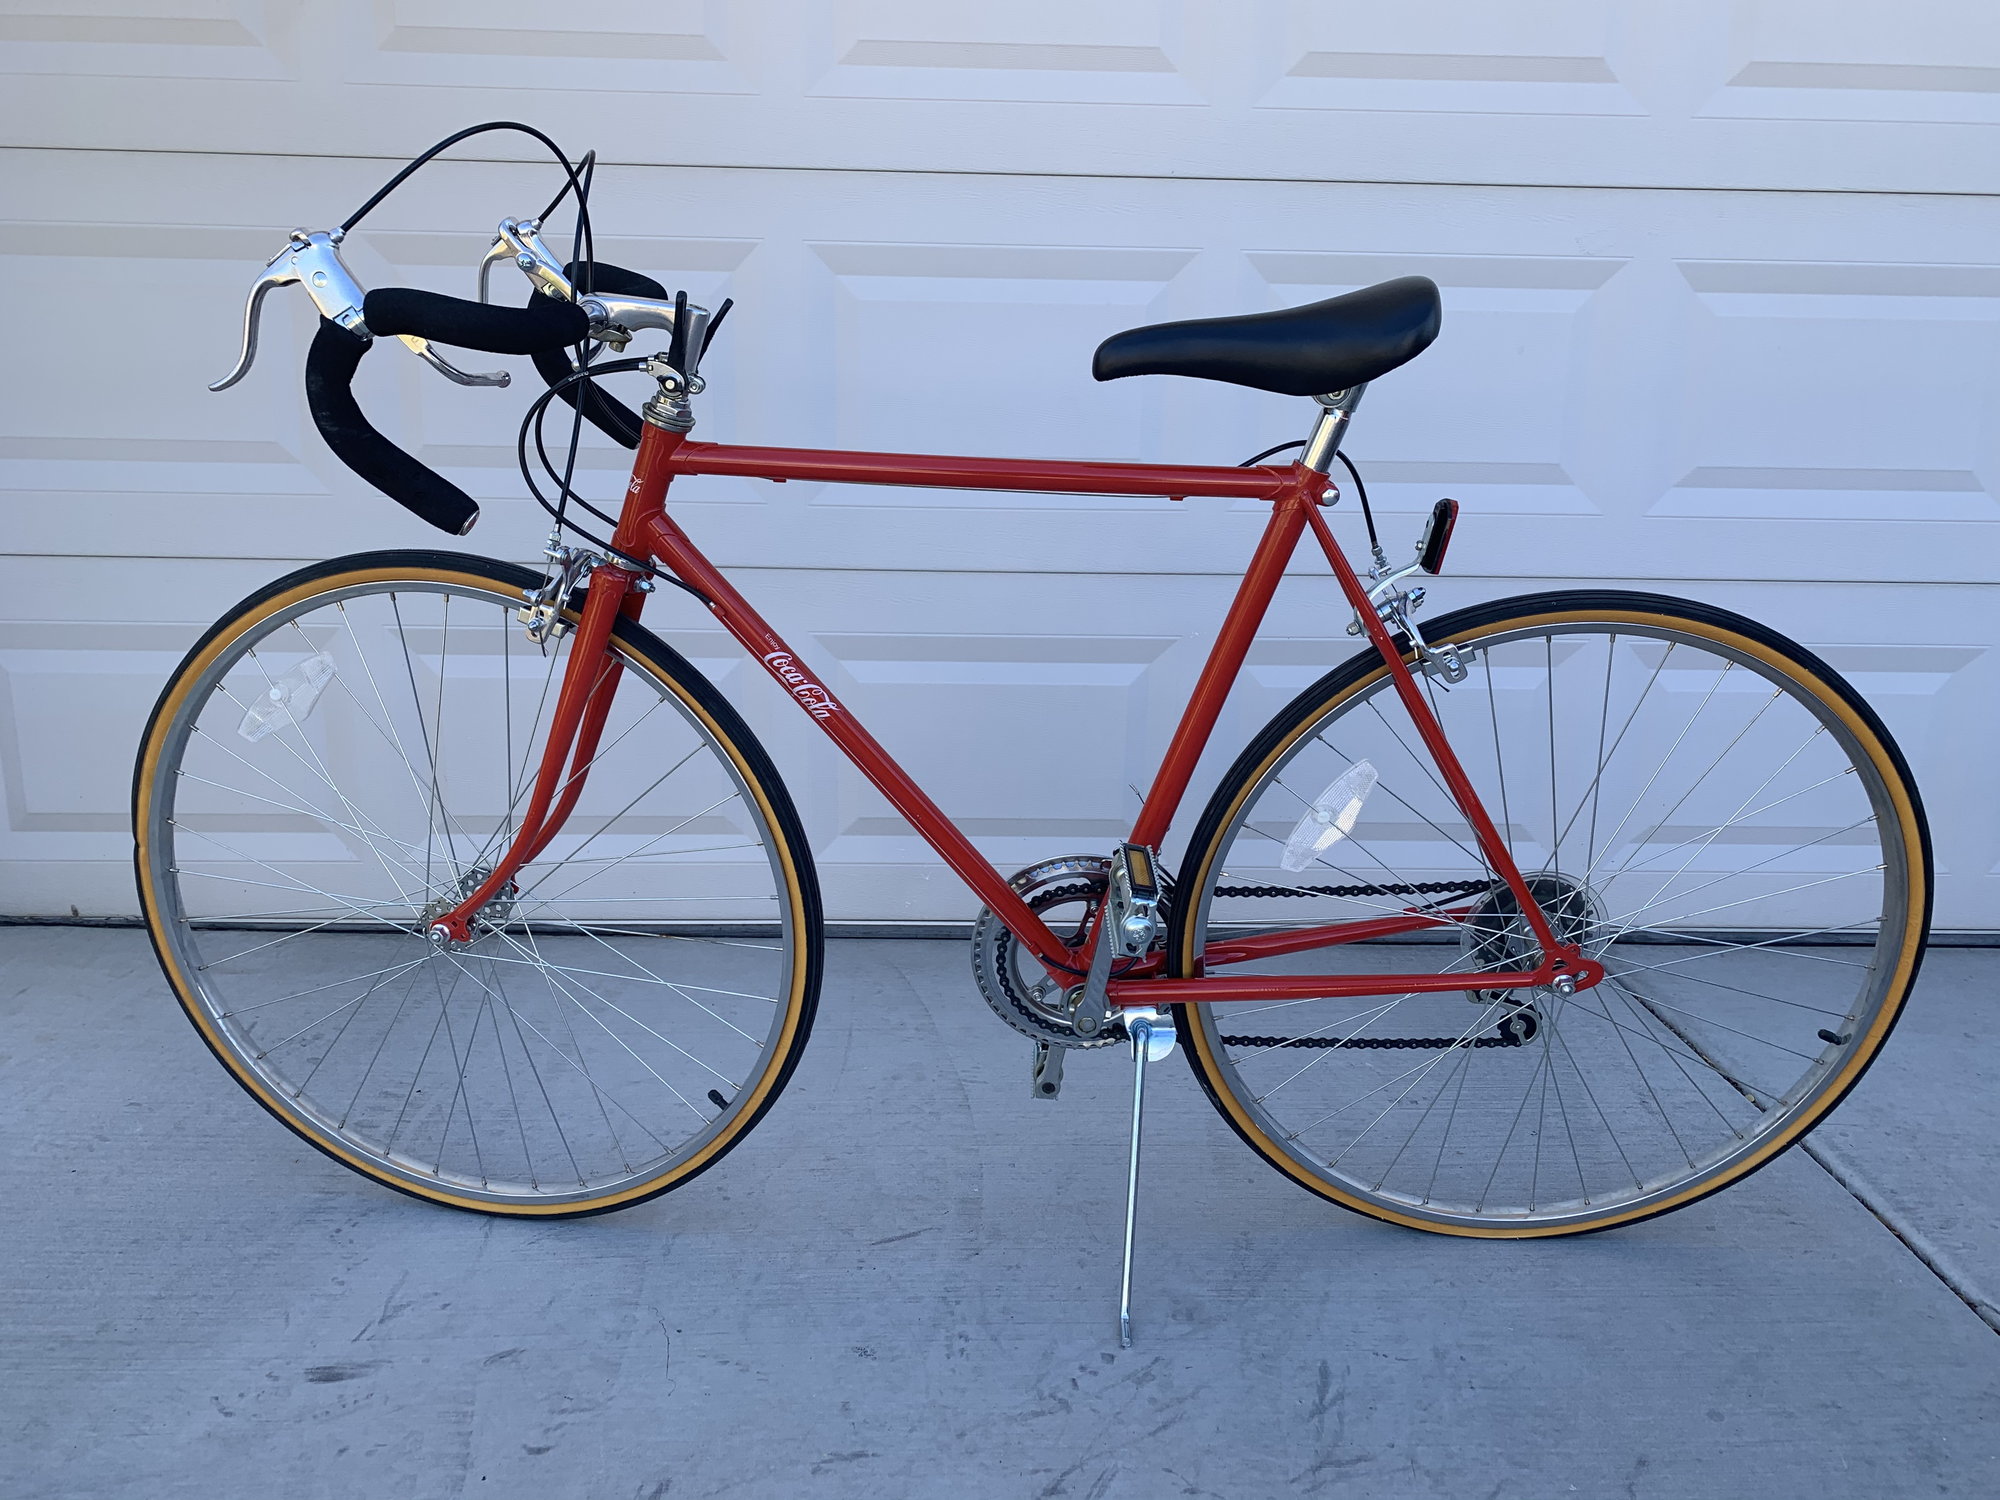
[816, 700]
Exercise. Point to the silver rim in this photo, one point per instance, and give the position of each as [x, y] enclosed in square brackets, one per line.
[348, 767]
[1711, 832]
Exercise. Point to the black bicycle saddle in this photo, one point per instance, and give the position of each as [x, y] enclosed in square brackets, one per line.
[1301, 351]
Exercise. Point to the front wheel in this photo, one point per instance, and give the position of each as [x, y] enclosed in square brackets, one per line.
[341, 760]
[1698, 803]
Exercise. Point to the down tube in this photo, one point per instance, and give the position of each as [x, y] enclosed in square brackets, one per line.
[670, 544]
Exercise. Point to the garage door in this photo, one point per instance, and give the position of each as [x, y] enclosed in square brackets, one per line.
[1720, 320]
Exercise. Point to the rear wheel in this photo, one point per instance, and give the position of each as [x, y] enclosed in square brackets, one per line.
[1700, 804]
[340, 761]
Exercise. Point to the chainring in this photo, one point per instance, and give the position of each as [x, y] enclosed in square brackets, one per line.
[1012, 980]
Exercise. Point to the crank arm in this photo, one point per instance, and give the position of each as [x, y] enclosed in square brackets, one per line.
[1127, 923]
[1048, 1070]
[1088, 1010]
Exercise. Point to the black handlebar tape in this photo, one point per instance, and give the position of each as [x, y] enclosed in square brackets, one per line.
[607, 414]
[544, 324]
[330, 368]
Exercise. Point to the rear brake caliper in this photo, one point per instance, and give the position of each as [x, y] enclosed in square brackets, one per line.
[1397, 605]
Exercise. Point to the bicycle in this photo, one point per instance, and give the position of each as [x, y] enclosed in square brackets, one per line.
[574, 927]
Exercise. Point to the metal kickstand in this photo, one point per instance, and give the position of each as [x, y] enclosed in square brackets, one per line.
[1152, 1034]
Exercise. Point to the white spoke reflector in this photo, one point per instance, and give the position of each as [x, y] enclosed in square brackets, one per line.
[290, 699]
[1331, 817]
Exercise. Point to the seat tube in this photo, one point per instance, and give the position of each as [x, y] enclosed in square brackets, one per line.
[1225, 658]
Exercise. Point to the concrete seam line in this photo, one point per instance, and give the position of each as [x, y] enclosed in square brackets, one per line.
[1938, 1261]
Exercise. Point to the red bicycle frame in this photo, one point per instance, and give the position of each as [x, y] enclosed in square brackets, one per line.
[1296, 494]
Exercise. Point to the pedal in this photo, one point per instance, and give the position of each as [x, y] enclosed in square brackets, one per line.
[1135, 900]
[1048, 1070]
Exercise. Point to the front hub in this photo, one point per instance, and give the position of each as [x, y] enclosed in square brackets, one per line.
[448, 931]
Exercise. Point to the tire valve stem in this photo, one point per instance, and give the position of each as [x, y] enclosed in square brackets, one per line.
[715, 1098]
[1837, 1038]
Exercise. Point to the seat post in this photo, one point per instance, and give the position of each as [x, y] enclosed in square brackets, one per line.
[1335, 410]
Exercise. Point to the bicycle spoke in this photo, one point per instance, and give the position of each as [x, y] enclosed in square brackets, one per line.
[304, 865]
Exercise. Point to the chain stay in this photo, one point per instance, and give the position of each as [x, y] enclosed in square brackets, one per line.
[1377, 1043]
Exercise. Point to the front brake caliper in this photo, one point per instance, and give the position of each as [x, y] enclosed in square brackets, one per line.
[541, 609]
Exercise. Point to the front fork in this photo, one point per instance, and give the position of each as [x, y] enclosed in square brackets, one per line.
[590, 682]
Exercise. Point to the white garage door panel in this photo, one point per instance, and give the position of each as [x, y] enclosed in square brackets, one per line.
[1744, 93]
[929, 214]
[1666, 407]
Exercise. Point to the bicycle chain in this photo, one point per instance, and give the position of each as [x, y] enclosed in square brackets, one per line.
[1059, 894]
[1375, 1043]
[1372, 1043]
[1422, 888]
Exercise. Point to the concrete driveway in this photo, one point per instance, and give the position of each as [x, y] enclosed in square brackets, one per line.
[904, 1284]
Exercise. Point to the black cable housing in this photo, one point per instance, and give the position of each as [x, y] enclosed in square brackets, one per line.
[1360, 489]
[531, 423]
[1367, 515]
[445, 145]
[577, 180]
[1257, 458]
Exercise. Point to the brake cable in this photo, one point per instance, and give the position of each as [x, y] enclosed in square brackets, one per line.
[577, 179]
[1360, 489]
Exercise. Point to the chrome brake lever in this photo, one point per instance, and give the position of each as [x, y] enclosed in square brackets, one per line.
[312, 259]
[520, 240]
[613, 320]
[251, 310]
[422, 349]
[501, 251]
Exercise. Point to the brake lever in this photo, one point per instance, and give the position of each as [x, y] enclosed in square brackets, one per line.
[501, 251]
[520, 240]
[312, 259]
[421, 347]
[613, 319]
